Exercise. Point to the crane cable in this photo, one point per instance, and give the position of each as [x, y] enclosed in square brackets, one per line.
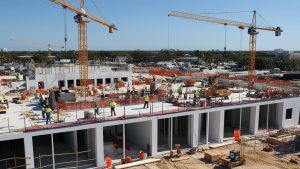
[225, 30]
[168, 34]
[65, 30]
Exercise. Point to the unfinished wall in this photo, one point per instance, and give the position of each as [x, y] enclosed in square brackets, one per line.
[294, 104]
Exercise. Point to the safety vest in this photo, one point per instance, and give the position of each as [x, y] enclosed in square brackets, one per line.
[4, 97]
[113, 104]
[180, 89]
[48, 110]
[146, 98]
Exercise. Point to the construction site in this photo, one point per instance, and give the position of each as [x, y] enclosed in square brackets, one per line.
[92, 114]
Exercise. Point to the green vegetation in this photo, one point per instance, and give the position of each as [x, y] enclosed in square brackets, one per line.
[263, 59]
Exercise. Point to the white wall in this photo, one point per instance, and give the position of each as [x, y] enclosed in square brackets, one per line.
[51, 76]
[293, 103]
[139, 133]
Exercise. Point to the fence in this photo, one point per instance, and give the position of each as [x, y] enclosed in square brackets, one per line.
[14, 161]
[77, 163]
[103, 103]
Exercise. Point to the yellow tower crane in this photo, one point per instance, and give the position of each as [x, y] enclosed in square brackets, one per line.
[241, 25]
[81, 18]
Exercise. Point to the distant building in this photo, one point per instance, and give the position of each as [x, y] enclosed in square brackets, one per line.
[4, 50]
[280, 54]
[294, 55]
[67, 75]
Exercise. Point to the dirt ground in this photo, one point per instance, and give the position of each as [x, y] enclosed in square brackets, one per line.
[255, 159]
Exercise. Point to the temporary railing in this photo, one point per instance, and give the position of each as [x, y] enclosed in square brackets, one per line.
[14, 161]
[77, 163]
[104, 103]
[188, 107]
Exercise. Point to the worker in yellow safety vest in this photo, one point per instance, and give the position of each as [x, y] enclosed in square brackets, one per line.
[113, 105]
[48, 112]
[146, 99]
[5, 100]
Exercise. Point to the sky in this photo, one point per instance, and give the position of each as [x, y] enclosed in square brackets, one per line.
[145, 25]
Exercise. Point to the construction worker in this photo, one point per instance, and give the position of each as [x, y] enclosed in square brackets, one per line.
[146, 99]
[43, 112]
[180, 89]
[48, 112]
[46, 102]
[112, 105]
[174, 78]
[5, 100]
[96, 111]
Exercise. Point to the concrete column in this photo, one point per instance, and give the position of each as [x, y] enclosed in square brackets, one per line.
[171, 133]
[222, 118]
[53, 152]
[124, 142]
[207, 127]
[153, 146]
[216, 125]
[99, 146]
[241, 113]
[194, 129]
[268, 112]
[254, 119]
[28, 145]
[280, 115]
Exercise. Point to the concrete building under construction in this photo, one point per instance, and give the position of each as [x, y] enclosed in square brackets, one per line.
[86, 142]
[67, 75]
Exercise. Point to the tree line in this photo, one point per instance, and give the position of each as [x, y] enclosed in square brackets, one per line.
[264, 59]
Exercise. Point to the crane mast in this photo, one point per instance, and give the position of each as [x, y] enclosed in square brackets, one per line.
[241, 25]
[82, 18]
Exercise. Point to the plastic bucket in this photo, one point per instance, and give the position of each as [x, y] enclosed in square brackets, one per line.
[108, 162]
[142, 155]
[128, 159]
[236, 134]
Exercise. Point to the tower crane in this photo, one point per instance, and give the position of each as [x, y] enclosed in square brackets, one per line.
[82, 18]
[252, 27]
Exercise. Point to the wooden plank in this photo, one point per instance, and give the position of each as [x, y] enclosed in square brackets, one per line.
[179, 159]
[222, 144]
[136, 163]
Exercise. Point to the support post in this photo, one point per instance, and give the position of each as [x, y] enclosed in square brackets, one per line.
[254, 119]
[171, 133]
[53, 153]
[194, 129]
[28, 145]
[207, 127]
[154, 134]
[124, 142]
[240, 125]
[99, 147]
[268, 108]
